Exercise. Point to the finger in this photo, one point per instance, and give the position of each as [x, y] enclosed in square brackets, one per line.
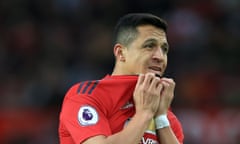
[168, 80]
[154, 84]
[165, 83]
[140, 79]
[165, 86]
[159, 87]
[148, 78]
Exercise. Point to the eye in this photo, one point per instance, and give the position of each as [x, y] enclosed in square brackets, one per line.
[165, 49]
[149, 45]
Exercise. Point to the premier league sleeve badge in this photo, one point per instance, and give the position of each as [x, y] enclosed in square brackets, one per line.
[87, 115]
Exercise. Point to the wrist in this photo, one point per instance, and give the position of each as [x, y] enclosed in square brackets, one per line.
[145, 115]
[143, 119]
[161, 121]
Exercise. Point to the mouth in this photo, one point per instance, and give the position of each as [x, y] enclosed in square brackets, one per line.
[156, 70]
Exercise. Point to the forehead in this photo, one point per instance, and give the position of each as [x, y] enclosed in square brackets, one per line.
[149, 31]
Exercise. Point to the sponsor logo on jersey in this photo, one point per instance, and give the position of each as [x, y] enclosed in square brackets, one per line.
[149, 138]
[148, 141]
[127, 105]
[87, 115]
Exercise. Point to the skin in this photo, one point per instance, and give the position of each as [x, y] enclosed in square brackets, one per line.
[146, 56]
[148, 53]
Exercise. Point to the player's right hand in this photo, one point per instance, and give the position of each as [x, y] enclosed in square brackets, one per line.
[147, 93]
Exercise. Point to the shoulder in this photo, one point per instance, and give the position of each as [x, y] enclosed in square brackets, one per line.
[83, 88]
[89, 92]
[81, 96]
[87, 87]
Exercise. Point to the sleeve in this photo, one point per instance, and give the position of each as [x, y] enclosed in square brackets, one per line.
[176, 126]
[84, 118]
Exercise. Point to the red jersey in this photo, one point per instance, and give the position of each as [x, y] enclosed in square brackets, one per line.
[103, 107]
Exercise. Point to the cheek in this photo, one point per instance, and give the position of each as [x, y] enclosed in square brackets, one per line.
[165, 63]
[136, 57]
[142, 61]
[141, 58]
[166, 60]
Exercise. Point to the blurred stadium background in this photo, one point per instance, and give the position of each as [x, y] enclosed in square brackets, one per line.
[48, 45]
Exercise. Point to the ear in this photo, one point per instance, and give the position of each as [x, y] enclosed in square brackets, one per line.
[119, 52]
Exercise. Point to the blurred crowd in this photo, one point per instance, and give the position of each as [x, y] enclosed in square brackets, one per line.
[47, 46]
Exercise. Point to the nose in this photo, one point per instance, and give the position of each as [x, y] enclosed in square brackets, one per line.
[158, 55]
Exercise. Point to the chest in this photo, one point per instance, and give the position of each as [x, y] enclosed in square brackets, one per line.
[120, 116]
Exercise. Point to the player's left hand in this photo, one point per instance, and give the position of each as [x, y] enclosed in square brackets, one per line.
[166, 95]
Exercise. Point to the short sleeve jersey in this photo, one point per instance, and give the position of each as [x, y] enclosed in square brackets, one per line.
[103, 107]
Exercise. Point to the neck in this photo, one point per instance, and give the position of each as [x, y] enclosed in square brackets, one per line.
[120, 70]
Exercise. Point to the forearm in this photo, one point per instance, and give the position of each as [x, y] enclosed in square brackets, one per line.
[164, 131]
[166, 136]
[131, 134]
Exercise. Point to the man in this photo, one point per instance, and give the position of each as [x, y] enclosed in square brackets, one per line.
[132, 105]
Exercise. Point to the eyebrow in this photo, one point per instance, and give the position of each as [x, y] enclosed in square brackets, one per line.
[149, 41]
[164, 44]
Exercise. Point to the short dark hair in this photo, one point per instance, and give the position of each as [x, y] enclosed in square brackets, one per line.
[126, 29]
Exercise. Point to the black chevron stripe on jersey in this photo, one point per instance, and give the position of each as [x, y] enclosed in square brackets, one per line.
[87, 87]
[80, 87]
[93, 86]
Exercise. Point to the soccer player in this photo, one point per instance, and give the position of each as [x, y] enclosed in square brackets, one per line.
[132, 105]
